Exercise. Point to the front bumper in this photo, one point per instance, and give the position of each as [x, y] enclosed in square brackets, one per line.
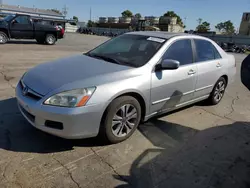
[82, 122]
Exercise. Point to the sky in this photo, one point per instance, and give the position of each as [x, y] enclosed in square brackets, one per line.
[212, 11]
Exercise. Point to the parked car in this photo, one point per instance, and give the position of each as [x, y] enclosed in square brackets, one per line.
[124, 81]
[22, 27]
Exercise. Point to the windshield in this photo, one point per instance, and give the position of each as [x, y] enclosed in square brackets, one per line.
[8, 18]
[128, 49]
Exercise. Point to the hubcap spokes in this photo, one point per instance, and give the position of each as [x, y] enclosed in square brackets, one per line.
[219, 91]
[2, 38]
[124, 120]
[50, 40]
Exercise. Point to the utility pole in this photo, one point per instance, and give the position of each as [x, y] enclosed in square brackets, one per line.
[65, 11]
[90, 14]
[185, 20]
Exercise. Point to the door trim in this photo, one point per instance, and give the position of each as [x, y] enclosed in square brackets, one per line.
[202, 88]
[166, 99]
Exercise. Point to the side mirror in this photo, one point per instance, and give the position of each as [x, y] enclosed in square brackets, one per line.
[168, 64]
[13, 21]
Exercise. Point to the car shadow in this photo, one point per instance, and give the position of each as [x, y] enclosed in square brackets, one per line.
[16, 134]
[217, 157]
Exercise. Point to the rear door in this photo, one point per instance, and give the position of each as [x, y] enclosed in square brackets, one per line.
[21, 27]
[209, 65]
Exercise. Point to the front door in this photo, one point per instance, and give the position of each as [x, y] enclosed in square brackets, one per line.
[21, 27]
[173, 88]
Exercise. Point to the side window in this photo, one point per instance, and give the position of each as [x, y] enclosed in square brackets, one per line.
[216, 54]
[205, 50]
[181, 51]
[22, 20]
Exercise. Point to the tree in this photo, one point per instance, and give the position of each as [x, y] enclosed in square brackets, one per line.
[56, 11]
[138, 15]
[91, 24]
[202, 26]
[173, 14]
[226, 27]
[127, 14]
[199, 21]
[75, 18]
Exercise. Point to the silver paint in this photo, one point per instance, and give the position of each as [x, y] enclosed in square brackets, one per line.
[161, 91]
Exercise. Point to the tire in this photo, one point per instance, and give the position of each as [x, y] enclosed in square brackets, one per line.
[40, 41]
[50, 39]
[3, 38]
[120, 130]
[218, 91]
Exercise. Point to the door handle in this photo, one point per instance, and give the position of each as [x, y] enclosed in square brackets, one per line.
[191, 72]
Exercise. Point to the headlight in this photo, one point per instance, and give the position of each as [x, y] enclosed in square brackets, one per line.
[72, 98]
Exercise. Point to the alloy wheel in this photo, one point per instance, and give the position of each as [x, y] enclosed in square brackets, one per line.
[124, 120]
[219, 91]
[50, 39]
[3, 38]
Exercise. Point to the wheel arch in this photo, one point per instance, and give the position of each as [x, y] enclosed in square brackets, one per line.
[51, 32]
[137, 95]
[225, 77]
[5, 31]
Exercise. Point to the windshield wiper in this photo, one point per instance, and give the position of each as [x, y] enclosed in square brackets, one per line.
[105, 58]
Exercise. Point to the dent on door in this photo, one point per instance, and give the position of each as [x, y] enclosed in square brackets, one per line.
[171, 88]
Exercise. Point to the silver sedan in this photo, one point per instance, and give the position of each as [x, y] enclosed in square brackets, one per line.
[109, 90]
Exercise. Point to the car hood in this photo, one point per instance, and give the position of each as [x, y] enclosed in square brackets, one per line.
[2, 22]
[47, 77]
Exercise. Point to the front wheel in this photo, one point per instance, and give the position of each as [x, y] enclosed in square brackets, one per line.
[218, 91]
[3, 38]
[121, 119]
[50, 39]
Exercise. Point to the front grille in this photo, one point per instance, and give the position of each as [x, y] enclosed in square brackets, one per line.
[27, 114]
[30, 93]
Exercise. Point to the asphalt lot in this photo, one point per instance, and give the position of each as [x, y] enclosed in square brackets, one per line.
[199, 146]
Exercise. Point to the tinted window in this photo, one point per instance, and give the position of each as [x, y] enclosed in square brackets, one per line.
[181, 51]
[205, 51]
[133, 50]
[9, 17]
[22, 20]
[216, 54]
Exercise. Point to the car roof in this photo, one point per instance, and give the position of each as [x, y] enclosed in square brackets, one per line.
[164, 35]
